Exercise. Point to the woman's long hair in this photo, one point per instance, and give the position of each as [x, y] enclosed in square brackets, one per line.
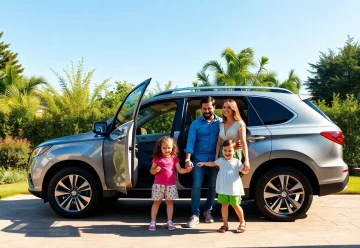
[157, 149]
[235, 109]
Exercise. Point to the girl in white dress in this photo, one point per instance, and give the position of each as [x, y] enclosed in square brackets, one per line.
[229, 186]
[233, 127]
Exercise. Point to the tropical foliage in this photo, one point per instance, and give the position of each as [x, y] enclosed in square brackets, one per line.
[75, 97]
[238, 71]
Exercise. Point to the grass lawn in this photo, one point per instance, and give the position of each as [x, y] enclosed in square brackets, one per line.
[7, 190]
[353, 186]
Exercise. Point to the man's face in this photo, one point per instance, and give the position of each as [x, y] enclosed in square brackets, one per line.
[207, 110]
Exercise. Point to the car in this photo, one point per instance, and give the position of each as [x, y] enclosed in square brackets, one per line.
[295, 151]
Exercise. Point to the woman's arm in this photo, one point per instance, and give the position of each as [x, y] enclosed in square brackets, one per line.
[244, 147]
[154, 169]
[218, 146]
[179, 169]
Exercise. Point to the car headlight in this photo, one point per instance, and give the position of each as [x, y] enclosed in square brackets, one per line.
[40, 150]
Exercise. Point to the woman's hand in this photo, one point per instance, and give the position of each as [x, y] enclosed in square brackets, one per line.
[246, 166]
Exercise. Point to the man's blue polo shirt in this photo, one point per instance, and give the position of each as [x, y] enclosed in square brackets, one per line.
[202, 138]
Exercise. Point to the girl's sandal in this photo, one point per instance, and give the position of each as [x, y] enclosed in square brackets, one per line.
[241, 228]
[223, 229]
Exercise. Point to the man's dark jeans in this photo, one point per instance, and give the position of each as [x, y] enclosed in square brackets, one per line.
[198, 178]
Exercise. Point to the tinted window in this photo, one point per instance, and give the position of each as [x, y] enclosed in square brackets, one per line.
[270, 111]
[314, 107]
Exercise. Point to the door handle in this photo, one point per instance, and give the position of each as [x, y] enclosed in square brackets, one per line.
[120, 137]
[255, 138]
[130, 148]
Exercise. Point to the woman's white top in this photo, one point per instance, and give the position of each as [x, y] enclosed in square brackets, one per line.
[228, 181]
[232, 132]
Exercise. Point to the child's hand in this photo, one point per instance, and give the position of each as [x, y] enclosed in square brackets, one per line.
[188, 169]
[200, 164]
[157, 169]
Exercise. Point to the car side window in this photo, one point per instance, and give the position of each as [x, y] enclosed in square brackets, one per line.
[270, 111]
[156, 119]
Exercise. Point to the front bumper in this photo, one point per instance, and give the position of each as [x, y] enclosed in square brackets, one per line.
[31, 188]
[331, 188]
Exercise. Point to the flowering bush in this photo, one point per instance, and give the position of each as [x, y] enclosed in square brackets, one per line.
[14, 152]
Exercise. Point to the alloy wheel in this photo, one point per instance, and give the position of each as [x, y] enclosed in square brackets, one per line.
[284, 194]
[73, 193]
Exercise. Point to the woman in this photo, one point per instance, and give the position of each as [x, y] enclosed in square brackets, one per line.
[233, 127]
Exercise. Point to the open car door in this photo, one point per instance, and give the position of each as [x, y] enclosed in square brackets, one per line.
[120, 162]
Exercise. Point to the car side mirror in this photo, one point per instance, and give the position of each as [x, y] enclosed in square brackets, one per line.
[100, 127]
[143, 131]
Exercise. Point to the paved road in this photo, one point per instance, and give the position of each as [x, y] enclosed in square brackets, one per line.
[332, 221]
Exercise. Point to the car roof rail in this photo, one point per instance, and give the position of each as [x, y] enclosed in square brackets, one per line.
[222, 88]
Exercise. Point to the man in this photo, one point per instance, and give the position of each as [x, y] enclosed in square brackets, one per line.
[201, 145]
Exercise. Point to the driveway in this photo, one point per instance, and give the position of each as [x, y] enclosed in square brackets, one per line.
[25, 221]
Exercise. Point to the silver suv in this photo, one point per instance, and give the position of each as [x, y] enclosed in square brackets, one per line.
[295, 151]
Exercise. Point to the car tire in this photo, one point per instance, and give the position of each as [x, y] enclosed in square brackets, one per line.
[73, 192]
[286, 201]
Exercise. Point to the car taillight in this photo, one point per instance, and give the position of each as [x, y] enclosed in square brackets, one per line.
[335, 136]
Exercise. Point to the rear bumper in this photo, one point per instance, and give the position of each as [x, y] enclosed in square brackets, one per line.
[327, 189]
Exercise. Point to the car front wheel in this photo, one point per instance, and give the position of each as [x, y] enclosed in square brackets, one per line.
[283, 194]
[73, 192]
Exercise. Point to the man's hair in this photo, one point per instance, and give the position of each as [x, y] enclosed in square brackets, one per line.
[208, 99]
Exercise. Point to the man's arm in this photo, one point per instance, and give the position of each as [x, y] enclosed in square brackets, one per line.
[190, 145]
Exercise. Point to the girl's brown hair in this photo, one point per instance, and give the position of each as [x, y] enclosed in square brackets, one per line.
[157, 149]
[235, 109]
[230, 143]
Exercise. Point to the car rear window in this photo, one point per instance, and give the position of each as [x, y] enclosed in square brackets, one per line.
[270, 111]
[314, 107]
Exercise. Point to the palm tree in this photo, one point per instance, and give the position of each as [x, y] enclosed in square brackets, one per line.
[17, 92]
[237, 71]
[19, 101]
[292, 83]
[75, 96]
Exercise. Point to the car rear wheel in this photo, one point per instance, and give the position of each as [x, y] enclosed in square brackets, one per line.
[283, 194]
[73, 192]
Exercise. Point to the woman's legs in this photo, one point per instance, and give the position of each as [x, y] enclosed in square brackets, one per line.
[155, 209]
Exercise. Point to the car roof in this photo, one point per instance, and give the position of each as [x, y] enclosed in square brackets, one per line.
[219, 91]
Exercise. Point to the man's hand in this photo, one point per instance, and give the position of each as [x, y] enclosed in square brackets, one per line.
[189, 166]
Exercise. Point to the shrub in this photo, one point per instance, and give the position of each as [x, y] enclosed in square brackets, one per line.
[346, 114]
[12, 175]
[14, 152]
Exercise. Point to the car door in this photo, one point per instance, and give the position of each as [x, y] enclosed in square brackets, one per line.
[258, 139]
[120, 162]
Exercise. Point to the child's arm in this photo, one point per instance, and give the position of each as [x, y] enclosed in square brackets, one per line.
[180, 170]
[154, 169]
[210, 164]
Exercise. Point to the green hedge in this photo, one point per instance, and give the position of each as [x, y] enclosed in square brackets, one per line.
[346, 114]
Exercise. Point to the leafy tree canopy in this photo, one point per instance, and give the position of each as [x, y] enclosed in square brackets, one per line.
[336, 72]
[8, 57]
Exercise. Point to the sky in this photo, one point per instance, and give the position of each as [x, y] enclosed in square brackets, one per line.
[172, 40]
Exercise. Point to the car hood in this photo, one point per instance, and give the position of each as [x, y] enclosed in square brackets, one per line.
[73, 138]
